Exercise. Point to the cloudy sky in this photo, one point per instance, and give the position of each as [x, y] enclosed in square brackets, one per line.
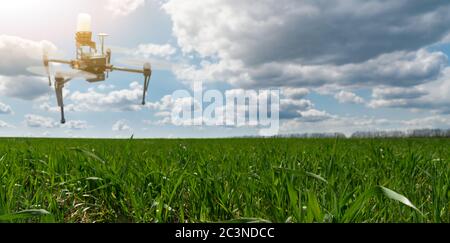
[342, 65]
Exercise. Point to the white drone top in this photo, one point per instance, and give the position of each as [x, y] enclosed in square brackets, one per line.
[84, 23]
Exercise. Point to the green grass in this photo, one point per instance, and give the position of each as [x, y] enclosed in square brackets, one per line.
[225, 180]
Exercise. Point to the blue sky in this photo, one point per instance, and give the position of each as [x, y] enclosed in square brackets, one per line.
[342, 66]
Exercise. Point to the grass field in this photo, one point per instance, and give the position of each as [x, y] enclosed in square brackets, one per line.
[231, 180]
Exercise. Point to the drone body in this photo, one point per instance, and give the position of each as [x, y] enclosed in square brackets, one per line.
[89, 63]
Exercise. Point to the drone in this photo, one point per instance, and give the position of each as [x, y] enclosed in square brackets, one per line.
[90, 63]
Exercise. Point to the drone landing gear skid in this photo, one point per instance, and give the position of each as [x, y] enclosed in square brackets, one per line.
[59, 85]
[146, 83]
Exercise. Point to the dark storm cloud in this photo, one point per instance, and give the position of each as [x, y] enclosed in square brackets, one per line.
[341, 32]
[308, 31]
[311, 43]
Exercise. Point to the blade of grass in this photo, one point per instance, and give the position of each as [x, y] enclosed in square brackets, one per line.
[302, 173]
[314, 207]
[89, 154]
[397, 197]
[247, 220]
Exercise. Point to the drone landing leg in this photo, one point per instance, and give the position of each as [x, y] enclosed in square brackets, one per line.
[63, 120]
[59, 85]
[146, 83]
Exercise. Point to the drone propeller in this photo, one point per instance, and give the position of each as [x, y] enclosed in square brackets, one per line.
[47, 68]
[48, 51]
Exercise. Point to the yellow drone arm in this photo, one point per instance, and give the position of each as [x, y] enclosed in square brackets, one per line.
[131, 70]
[60, 61]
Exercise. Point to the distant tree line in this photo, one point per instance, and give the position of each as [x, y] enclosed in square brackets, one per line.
[416, 133]
[313, 135]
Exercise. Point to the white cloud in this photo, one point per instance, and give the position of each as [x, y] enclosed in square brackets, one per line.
[117, 100]
[351, 124]
[75, 125]
[291, 108]
[103, 87]
[147, 50]
[393, 69]
[348, 97]
[295, 93]
[166, 104]
[163, 109]
[314, 115]
[123, 7]
[445, 40]
[160, 56]
[49, 108]
[23, 87]
[121, 125]
[36, 121]
[17, 54]
[225, 70]
[5, 109]
[167, 120]
[397, 93]
[428, 122]
[40, 121]
[433, 96]
[5, 125]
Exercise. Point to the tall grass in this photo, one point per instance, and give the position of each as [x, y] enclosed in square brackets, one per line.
[225, 180]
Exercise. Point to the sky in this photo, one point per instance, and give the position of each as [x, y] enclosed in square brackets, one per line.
[341, 65]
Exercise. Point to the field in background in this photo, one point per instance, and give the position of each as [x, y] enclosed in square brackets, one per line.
[232, 180]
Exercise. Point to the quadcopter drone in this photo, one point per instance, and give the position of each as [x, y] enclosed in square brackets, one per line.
[90, 64]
